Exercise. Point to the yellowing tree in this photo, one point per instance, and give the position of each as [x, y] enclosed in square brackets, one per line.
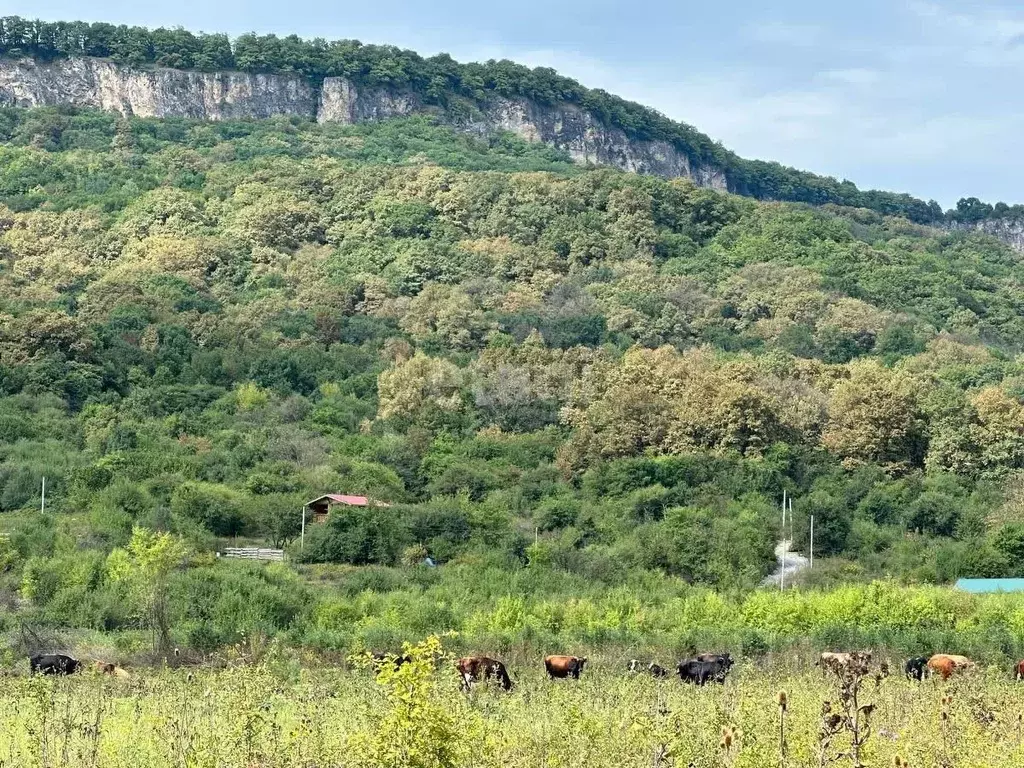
[874, 417]
[418, 384]
[1000, 431]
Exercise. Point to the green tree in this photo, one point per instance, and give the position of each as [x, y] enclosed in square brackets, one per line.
[143, 570]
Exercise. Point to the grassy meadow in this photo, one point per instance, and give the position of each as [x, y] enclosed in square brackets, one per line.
[284, 714]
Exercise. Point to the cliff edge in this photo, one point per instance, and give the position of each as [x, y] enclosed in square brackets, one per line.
[163, 92]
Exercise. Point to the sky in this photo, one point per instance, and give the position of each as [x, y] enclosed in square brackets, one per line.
[919, 96]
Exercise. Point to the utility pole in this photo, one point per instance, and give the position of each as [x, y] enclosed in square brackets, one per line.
[791, 518]
[42, 505]
[812, 541]
[785, 545]
[302, 536]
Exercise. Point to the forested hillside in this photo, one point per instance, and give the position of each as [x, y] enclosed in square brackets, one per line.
[460, 91]
[560, 379]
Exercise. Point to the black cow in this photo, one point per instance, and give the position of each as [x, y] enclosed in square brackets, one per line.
[378, 660]
[916, 667]
[724, 658]
[657, 670]
[53, 664]
[701, 672]
[653, 669]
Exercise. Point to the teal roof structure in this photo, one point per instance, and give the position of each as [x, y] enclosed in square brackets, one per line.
[979, 586]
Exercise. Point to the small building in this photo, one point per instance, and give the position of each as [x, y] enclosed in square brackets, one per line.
[322, 505]
[986, 586]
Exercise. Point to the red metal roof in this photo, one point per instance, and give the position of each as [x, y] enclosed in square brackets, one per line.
[352, 501]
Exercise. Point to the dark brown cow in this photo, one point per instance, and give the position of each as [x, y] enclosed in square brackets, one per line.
[1018, 670]
[564, 666]
[480, 669]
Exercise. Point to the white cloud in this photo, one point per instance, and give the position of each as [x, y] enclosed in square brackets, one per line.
[986, 37]
[905, 114]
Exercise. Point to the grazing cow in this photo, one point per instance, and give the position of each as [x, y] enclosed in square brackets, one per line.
[378, 660]
[838, 662]
[53, 664]
[656, 670]
[482, 668]
[653, 669]
[915, 668]
[701, 672]
[105, 668]
[723, 657]
[1018, 670]
[945, 664]
[564, 666]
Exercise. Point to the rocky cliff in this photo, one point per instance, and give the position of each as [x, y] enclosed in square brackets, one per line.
[160, 92]
[1010, 231]
[153, 92]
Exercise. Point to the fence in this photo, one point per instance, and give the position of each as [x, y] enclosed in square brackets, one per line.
[253, 553]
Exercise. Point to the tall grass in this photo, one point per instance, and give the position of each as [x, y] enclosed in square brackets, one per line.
[280, 713]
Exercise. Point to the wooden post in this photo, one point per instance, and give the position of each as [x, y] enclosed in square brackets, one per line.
[302, 536]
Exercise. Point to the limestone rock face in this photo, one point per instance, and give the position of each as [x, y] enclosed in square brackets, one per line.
[1010, 230]
[588, 141]
[154, 92]
[342, 102]
[162, 92]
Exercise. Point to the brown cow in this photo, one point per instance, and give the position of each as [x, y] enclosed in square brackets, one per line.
[105, 668]
[482, 668]
[564, 666]
[945, 664]
[1018, 670]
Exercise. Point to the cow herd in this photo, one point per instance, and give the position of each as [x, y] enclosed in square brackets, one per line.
[700, 670]
[945, 665]
[705, 668]
[62, 664]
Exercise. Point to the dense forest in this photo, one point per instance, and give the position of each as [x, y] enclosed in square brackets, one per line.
[459, 89]
[564, 382]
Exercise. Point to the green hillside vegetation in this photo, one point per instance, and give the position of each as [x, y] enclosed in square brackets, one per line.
[459, 90]
[583, 393]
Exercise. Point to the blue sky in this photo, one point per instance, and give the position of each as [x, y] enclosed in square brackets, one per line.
[920, 96]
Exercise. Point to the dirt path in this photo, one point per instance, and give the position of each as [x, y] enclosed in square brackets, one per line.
[794, 564]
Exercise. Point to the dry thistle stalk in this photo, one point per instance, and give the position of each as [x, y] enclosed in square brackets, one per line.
[730, 745]
[783, 702]
[853, 717]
